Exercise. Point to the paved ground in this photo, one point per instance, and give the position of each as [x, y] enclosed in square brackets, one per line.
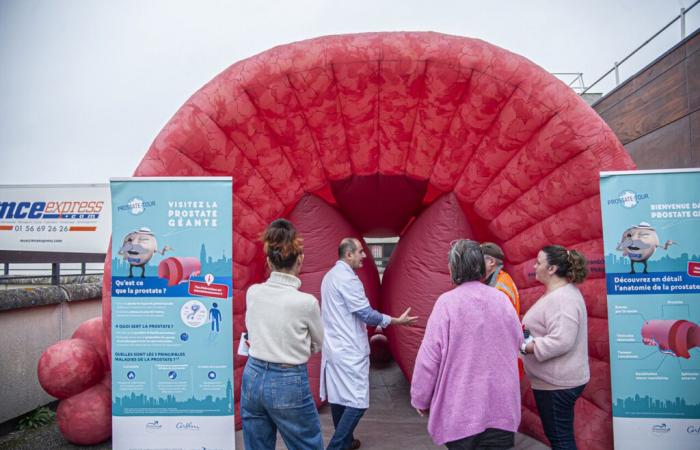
[389, 424]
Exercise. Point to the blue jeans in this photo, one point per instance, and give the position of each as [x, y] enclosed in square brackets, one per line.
[277, 397]
[345, 419]
[557, 413]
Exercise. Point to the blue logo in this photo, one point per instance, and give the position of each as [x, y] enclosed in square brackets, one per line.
[628, 199]
[184, 337]
[172, 374]
[136, 206]
[211, 375]
[130, 375]
[660, 429]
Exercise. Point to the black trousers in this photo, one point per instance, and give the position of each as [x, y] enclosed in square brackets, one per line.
[557, 413]
[491, 439]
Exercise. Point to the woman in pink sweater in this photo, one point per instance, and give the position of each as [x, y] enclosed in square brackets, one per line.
[466, 372]
[556, 358]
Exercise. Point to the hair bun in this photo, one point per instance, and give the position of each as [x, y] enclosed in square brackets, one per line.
[282, 244]
[571, 264]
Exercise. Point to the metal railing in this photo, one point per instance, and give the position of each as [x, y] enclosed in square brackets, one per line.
[53, 274]
[572, 79]
[616, 65]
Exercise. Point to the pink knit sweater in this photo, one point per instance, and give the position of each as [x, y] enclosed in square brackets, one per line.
[466, 370]
[558, 323]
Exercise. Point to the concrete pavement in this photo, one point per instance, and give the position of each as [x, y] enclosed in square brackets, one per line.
[389, 424]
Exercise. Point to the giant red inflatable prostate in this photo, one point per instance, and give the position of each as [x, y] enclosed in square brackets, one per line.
[422, 135]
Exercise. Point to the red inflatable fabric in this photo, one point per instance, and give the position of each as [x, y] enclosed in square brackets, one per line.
[382, 125]
[68, 367]
[86, 418]
[92, 331]
[417, 274]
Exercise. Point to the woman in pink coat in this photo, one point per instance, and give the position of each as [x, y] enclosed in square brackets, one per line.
[466, 372]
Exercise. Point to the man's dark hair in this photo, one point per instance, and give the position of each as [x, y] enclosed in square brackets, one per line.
[346, 245]
[466, 261]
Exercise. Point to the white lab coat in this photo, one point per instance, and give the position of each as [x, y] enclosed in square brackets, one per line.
[345, 357]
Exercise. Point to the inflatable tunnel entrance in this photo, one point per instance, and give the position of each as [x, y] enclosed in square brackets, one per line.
[422, 135]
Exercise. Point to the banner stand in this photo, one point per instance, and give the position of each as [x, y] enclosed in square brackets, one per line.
[652, 258]
[172, 332]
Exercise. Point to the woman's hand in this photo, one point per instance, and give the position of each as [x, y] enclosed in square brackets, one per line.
[423, 412]
[530, 348]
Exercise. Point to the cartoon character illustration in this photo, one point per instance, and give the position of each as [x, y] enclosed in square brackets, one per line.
[138, 248]
[673, 337]
[639, 242]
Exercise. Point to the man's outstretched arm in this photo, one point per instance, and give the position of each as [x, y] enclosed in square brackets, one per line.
[374, 318]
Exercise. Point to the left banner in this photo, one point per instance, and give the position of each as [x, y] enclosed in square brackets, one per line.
[68, 218]
[172, 336]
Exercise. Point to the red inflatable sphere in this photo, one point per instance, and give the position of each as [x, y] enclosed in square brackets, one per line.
[69, 367]
[86, 418]
[93, 331]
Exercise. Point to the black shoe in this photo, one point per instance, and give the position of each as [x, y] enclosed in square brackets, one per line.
[354, 445]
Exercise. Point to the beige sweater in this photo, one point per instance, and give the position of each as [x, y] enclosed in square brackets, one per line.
[284, 325]
[559, 325]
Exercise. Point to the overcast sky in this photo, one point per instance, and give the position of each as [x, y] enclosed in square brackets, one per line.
[85, 85]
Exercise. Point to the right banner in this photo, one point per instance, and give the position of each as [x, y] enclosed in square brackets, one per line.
[651, 232]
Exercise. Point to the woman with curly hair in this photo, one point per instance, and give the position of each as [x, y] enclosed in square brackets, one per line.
[284, 329]
[556, 358]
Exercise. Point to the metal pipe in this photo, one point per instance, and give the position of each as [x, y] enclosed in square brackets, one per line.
[598, 80]
[578, 78]
[55, 274]
[682, 23]
[617, 73]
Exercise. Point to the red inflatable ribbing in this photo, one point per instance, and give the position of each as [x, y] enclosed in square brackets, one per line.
[395, 133]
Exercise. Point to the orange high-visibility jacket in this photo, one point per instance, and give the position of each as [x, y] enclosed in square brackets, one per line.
[504, 283]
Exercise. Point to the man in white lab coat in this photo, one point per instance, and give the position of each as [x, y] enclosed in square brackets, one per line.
[346, 312]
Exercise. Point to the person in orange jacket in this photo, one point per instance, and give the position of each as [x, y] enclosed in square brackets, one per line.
[496, 276]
